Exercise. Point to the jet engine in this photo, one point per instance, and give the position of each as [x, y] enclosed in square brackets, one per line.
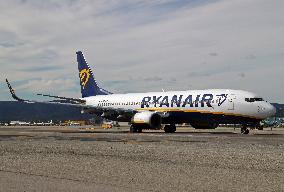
[151, 119]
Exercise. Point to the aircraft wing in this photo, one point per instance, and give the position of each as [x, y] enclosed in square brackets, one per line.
[80, 101]
[12, 91]
[70, 101]
[61, 100]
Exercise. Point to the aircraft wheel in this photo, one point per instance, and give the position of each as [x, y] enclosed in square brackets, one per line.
[244, 130]
[139, 129]
[170, 128]
[133, 129]
[173, 128]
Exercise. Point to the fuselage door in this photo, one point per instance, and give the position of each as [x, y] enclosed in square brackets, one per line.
[231, 104]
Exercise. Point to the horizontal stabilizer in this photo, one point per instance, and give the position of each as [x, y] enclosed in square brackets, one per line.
[65, 99]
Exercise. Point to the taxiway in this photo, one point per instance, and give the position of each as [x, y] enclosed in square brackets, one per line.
[93, 159]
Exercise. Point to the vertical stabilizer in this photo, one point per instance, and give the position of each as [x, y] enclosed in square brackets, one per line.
[89, 86]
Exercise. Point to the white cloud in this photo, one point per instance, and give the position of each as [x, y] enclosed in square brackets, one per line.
[207, 44]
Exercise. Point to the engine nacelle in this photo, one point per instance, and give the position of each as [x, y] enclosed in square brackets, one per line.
[152, 119]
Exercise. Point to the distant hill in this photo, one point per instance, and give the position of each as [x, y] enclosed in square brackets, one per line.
[12, 111]
[280, 109]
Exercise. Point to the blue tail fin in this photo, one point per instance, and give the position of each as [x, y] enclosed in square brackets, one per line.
[89, 86]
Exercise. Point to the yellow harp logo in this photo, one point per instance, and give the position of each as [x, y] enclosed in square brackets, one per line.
[84, 77]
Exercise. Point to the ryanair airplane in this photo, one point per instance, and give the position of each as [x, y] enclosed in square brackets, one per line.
[202, 109]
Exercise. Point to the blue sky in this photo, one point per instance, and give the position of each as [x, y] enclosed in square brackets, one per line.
[138, 45]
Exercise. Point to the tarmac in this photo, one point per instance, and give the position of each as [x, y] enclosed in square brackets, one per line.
[94, 159]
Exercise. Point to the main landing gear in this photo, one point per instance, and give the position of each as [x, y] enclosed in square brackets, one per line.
[135, 128]
[244, 129]
[170, 128]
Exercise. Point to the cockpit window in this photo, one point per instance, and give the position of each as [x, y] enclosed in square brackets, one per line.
[253, 99]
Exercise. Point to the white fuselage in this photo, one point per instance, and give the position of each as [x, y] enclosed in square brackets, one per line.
[211, 101]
